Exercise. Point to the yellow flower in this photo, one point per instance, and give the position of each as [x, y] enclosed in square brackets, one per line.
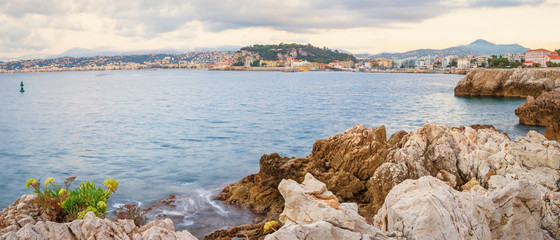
[101, 205]
[30, 182]
[62, 192]
[49, 180]
[271, 225]
[111, 184]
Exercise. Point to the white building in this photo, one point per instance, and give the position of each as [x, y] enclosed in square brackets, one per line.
[463, 63]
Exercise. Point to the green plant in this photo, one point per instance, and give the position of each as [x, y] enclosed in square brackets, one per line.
[272, 225]
[63, 204]
[131, 211]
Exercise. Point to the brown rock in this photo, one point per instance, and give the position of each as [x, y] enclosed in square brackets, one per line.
[508, 82]
[542, 111]
[344, 162]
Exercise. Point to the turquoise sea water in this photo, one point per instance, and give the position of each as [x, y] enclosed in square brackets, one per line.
[191, 133]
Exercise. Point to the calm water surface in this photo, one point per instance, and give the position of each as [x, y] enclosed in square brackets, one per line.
[191, 133]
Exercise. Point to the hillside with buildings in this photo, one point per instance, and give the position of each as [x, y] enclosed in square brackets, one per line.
[277, 54]
[478, 47]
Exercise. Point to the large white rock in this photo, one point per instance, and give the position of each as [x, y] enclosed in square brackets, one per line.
[517, 211]
[458, 154]
[428, 208]
[313, 212]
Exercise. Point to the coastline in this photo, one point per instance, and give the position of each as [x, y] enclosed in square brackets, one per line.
[254, 69]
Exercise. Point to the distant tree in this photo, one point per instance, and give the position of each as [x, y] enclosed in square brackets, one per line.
[495, 62]
[453, 63]
[515, 64]
[557, 50]
[255, 64]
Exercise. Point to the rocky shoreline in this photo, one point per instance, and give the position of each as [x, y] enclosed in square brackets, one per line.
[469, 164]
[435, 182]
[26, 220]
[519, 83]
[540, 87]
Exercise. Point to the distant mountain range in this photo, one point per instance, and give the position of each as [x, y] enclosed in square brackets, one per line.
[85, 52]
[478, 47]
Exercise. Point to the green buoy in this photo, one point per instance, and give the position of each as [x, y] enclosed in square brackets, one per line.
[21, 90]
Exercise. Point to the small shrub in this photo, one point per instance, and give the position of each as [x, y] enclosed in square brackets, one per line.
[131, 211]
[63, 204]
[272, 225]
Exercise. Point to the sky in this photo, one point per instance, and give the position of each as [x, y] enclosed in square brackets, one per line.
[43, 27]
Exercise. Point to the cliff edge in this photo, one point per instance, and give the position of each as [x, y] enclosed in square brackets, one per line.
[508, 82]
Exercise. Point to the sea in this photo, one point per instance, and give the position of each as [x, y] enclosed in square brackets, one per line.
[192, 132]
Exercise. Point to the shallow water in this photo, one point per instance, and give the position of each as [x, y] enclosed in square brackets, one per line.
[190, 133]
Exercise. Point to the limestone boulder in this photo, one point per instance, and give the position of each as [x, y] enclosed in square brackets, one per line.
[313, 212]
[517, 211]
[456, 155]
[428, 208]
[551, 213]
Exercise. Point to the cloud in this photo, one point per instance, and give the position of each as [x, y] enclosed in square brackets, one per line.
[36, 21]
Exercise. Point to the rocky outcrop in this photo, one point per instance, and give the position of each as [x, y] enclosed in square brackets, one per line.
[245, 58]
[360, 166]
[457, 155]
[542, 111]
[23, 220]
[313, 212]
[344, 162]
[508, 82]
[428, 208]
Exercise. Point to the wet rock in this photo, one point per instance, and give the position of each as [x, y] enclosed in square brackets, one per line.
[542, 111]
[428, 208]
[248, 231]
[508, 82]
[313, 212]
[259, 191]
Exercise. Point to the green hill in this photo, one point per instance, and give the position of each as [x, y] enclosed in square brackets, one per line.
[299, 52]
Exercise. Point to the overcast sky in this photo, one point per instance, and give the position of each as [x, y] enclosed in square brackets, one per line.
[54, 26]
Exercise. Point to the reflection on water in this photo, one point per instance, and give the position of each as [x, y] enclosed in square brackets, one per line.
[177, 132]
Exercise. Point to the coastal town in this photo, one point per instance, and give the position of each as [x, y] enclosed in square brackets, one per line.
[225, 60]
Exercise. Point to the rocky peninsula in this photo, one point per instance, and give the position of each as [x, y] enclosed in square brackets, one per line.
[483, 82]
[540, 86]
